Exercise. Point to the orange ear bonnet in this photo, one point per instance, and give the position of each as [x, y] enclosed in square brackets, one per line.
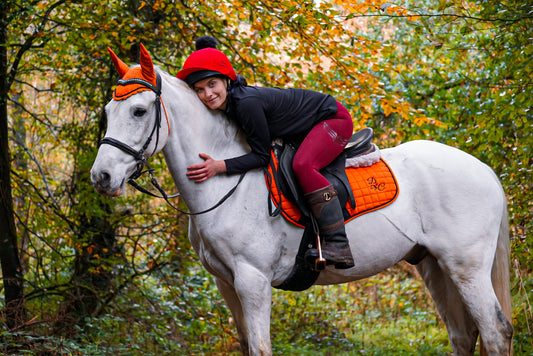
[145, 72]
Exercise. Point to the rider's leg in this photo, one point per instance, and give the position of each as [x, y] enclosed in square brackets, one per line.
[320, 147]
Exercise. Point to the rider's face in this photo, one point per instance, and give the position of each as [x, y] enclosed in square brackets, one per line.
[212, 92]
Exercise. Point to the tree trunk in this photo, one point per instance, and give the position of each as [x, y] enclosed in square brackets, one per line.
[9, 257]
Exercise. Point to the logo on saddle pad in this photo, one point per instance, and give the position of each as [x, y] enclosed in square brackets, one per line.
[374, 185]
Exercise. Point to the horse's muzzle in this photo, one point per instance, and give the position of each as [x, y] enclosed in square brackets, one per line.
[102, 182]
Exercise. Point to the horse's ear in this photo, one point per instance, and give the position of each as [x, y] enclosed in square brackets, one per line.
[121, 67]
[147, 65]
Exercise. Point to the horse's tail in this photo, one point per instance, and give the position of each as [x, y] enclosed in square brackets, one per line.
[501, 271]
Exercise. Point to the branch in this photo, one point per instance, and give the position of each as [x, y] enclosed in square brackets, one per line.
[46, 122]
[455, 16]
[29, 42]
[113, 294]
[43, 240]
[56, 209]
[31, 322]
[35, 88]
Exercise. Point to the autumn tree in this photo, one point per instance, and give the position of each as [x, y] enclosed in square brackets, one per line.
[54, 126]
[32, 33]
[469, 66]
[9, 257]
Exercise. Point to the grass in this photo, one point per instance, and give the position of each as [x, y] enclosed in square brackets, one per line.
[388, 314]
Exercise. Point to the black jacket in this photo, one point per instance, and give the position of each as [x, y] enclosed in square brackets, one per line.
[265, 114]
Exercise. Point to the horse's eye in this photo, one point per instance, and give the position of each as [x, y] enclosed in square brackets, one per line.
[139, 112]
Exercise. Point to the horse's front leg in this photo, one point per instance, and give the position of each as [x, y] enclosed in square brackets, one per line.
[235, 306]
[255, 293]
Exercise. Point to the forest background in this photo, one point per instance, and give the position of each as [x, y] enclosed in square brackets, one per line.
[88, 275]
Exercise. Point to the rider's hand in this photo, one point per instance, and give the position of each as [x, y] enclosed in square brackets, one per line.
[205, 170]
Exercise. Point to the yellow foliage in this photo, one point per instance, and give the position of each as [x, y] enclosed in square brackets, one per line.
[143, 4]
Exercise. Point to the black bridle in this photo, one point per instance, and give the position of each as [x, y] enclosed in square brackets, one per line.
[142, 160]
[139, 155]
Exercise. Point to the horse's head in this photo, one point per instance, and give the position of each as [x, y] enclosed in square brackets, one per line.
[135, 128]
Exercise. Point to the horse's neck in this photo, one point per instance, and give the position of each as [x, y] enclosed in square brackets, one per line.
[194, 130]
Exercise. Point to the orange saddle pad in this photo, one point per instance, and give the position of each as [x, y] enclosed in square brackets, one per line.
[374, 187]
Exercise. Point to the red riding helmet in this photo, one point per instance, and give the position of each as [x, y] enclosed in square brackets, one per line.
[205, 63]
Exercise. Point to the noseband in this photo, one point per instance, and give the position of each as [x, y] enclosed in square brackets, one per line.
[140, 157]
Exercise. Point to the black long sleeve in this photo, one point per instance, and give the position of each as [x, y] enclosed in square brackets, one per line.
[268, 113]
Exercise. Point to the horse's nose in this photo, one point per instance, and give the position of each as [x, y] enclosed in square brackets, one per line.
[101, 178]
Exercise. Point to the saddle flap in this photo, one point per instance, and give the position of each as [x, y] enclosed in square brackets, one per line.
[290, 185]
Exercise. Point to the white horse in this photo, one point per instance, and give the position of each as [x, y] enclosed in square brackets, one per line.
[449, 202]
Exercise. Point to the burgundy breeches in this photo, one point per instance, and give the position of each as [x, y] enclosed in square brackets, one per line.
[324, 142]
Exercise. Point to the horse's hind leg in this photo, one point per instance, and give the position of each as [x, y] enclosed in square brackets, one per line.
[470, 271]
[479, 297]
[461, 327]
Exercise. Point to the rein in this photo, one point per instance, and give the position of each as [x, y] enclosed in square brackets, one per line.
[142, 160]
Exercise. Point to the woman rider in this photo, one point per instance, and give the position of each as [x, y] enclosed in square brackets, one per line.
[318, 121]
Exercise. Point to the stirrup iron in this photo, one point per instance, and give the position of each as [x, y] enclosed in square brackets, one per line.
[320, 261]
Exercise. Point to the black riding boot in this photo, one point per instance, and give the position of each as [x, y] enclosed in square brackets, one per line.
[326, 209]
